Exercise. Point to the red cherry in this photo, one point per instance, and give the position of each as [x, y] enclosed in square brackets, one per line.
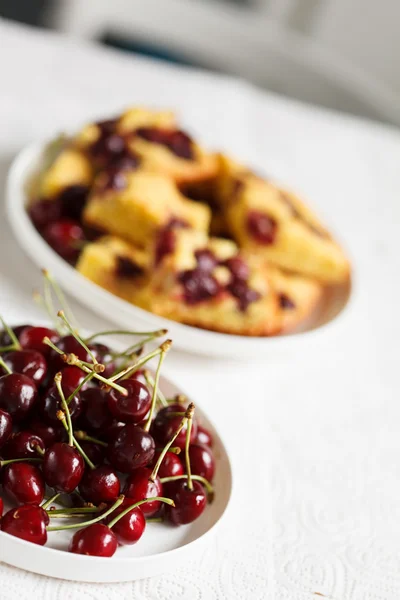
[100, 485]
[23, 445]
[94, 452]
[5, 339]
[139, 487]
[18, 394]
[103, 355]
[26, 522]
[204, 437]
[95, 414]
[164, 426]
[129, 529]
[72, 200]
[170, 466]
[202, 461]
[189, 504]
[24, 483]
[44, 212]
[31, 338]
[133, 407]
[49, 404]
[5, 427]
[64, 236]
[63, 467]
[130, 449]
[72, 377]
[47, 433]
[28, 362]
[1, 507]
[111, 432]
[94, 540]
[68, 345]
[262, 227]
[138, 376]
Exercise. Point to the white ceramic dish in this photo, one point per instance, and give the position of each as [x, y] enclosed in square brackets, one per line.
[161, 548]
[128, 316]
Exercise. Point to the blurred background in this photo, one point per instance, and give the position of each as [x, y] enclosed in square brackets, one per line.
[342, 54]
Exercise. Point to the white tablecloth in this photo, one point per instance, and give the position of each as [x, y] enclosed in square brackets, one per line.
[314, 436]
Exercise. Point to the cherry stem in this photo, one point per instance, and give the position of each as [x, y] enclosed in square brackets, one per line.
[82, 435]
[205, 482]
[173, 450]
[155, 520]
[5, 367]
[127, 510]
[117, 503]
[165, 346]
[59, 295]
[11, 334]
[75, 511]
[38, 449]
[3, 463]
[46, 304]
[155, 391]
[81, 451]
[67, 414]
[168, 445]
[150, 381]
[88, 377]
[62, 316]
[153, 334]
[187, 444]
[50, 501]
[132, 350]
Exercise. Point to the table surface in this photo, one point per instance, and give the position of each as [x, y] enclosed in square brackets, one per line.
[314, 436]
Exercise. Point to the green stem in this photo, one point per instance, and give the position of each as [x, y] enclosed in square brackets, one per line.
[82, 435]
[88, 377]
[3, 463]
[154, 520]
[165, 346]
[57, 381]
[117, 503]
[155, 391]
[173, 450]
[75, 511]
[207, 484]
[50, 501]
[127, 510]
[5, 367]
[62, 316]
[187, 457]
[150, 381]
[43, 303]
[78, 446]
[11, 334]
[59, 295]
[153, 334]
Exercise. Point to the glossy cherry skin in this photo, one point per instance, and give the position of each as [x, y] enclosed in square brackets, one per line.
[129, 529]
[133, 407]
[130, 449]
[63, 467]
[170, 466]
[49, 404]
[5, 339]
[68, 345]
[72, 200]
[138, 487]
[96, 416]
[164, 426]
[189, 504]
[18, 394]
[94, 540]
[110, 433]
[72, 377]
[26, 522]
[202, 461]
[94, 452]
[5, 427]
[23, 444]
[49, 434]
[204, 437]
[1, 508]
[64, 236]
[103, 356]
[23, 483]
[31, 338]
[28, 362]
[44, 212]
[100, 485]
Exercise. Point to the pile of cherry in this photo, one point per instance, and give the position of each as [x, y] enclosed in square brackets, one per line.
[91, 430]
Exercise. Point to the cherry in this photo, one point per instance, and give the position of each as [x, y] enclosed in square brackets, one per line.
[133, 407]
[204, 437]
[261, 227]
[73, 199]
[18, 394]
[138, 376]
[206, 260]
[238, 268]
[189, 504]
[139, 487]
[285, 302]
[23, 445]
[100, 485]
[127, 268]
[24, 483]
[64, 236]
[47, 433]
[5, 339]
[63, 467]
[5, 427]
[130, 449]
[44, 212]
[129, 529]
[93, 451]
[72, 377]
[27, 362]
[202, 461]
[26, 522]
[68, 345]
[95, 540]
[103, 355]
[49, 404]
[164, 426]
[244, 294]
[113, 430]
[31, 338]
[96, 416]
[198, 286]
[1, 508]
[177, 141]
[170, 466]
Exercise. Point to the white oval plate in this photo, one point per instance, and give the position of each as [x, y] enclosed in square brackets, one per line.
[161, 548]
[126, 315]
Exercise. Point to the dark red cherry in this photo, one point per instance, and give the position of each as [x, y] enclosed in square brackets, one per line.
[73, 200]
[68, 345]
[202, 461]
[18, 394]
[189, 504]
[94, 452]
[65, 237]
[110, 433]
[95, 540]
[44, 212]
[28, 362]
[26, 522]
[49, 404]
[133, 407]
[23, 483]
[47, 433]
[261, 227]
[206, 260]
[164, 426]
[5, 339]
[198, 286]
[5, 427]
[23, 444]
[130, 449]
[238, 268]
[204, 437]
[138, 376]
[129, 529]
[96, 416]
[100, 485]
[1, 508]
[72, 377]
[170, 466]
[103, 355]
[244, 294]
[63, 467]
[139, 487]
[31, 338]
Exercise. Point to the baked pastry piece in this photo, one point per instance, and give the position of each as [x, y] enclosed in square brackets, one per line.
[70, 167]
[275, 224]
[136, 204]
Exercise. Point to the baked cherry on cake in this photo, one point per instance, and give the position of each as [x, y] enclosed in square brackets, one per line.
[138, 203]
[275, 224]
